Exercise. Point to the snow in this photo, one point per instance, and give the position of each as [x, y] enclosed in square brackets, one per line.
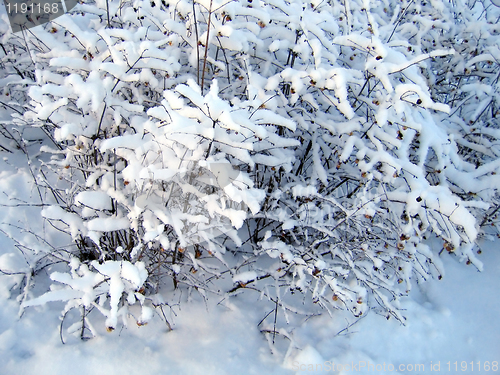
[303, 191]
[245, 277]
[108, 224]
[11, 263]
[74, 222]
[97, 200]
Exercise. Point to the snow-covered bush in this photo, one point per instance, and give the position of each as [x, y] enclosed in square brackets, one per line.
[16, 76]
[87, 289]
[299, 146]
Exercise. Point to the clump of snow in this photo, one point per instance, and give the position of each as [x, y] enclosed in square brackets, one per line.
[97, 200]
[245, 277]
[108, 224]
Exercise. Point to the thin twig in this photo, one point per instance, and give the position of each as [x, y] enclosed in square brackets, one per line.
[196, 44]
[206, 47]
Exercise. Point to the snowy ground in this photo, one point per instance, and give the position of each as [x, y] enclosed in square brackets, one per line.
[452, 323]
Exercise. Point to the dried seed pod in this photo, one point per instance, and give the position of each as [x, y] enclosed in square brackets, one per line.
[449, 247]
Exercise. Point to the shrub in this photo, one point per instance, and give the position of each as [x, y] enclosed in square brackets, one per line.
[298, 146]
